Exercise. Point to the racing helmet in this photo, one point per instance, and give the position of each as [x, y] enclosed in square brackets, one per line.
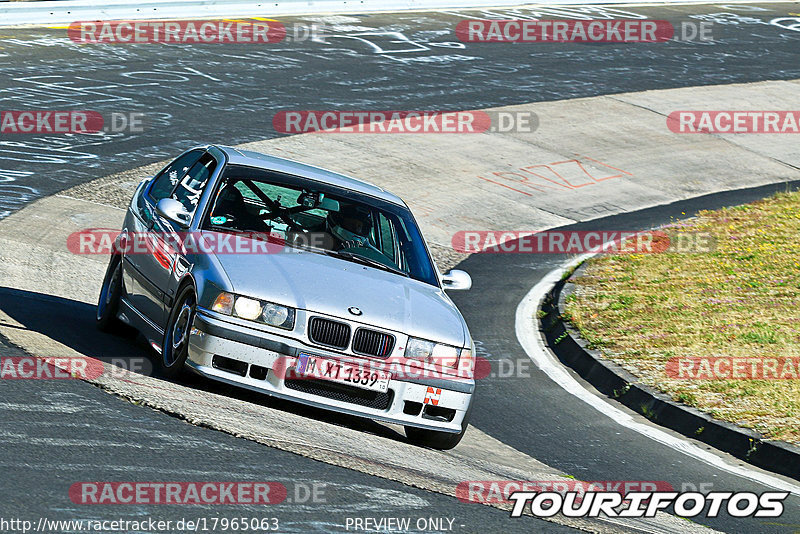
[351, 223]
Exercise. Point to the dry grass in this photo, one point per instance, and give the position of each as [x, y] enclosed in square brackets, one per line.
[742, 300]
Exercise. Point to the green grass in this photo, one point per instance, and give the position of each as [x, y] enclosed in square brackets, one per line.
[741, 300]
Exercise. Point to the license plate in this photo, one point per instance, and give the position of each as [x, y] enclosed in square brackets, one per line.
[342, 373]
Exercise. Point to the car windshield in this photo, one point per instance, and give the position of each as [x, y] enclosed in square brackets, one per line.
[320, 217]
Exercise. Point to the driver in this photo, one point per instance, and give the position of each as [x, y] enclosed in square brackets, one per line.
[351, 225]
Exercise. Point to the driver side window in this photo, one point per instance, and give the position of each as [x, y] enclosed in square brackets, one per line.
[167, 179]
[192, 184]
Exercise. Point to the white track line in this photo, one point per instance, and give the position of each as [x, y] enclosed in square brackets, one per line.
[534, 345]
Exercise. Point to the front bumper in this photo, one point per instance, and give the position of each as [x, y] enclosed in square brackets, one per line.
[257, 360]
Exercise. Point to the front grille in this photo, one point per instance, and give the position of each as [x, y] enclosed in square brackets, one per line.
[372, 343]
[329, 333]
[339, 392]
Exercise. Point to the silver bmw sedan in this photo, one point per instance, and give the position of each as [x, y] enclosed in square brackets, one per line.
[297, 282]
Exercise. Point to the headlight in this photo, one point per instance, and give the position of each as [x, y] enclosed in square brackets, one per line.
[428, 351]
[419, 349]
[247, 308]
[254, 310]
[277, 315]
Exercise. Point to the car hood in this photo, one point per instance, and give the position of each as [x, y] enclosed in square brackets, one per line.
[327, 285]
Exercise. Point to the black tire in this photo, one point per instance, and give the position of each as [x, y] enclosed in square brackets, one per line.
[435, 439]
[175, 347]
[110, 294]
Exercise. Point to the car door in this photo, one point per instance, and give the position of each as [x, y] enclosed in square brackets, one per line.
[188, 192]
[149, 260]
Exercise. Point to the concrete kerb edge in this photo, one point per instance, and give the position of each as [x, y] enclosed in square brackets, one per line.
[614, 381]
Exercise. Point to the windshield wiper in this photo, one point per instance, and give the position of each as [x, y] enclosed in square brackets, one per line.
[369, 261]
[309, 248]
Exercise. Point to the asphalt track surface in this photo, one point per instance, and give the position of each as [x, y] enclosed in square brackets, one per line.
[206, 93]
[57, 432]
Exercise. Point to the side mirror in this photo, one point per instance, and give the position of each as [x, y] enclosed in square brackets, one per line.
[172, 210]
[456, 279]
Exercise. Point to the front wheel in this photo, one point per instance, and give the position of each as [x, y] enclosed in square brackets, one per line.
[110, 294]
[175, 347]
[436, 439]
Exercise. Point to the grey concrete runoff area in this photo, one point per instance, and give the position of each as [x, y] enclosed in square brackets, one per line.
[603, 158]
[664, 167]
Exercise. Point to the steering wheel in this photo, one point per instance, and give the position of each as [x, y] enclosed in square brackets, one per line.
[284, 214]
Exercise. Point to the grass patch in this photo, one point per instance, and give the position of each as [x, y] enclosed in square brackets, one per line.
[741, 300]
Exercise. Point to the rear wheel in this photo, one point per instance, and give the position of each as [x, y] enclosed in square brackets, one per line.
[436, 439]
[175, 348]
[110, 293]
